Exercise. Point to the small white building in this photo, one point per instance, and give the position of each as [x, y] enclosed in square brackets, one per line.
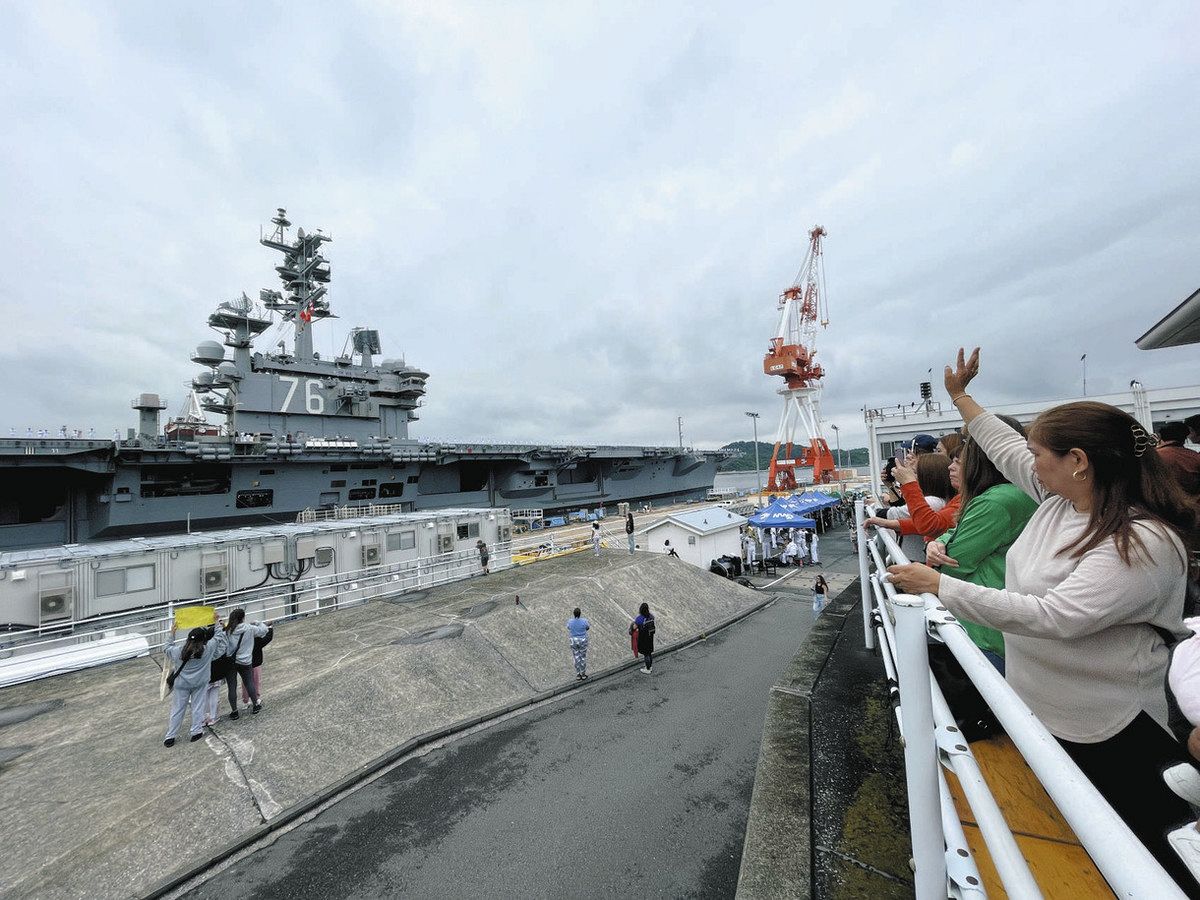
[699, 535]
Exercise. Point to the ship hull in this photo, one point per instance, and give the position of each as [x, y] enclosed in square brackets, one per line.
[57, 492]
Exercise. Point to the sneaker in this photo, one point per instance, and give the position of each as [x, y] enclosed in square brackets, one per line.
[195, 737]
[169, 742]
[644, 670]
[235, 715]
[1184, 780]
[1185, 841]
[256, 708]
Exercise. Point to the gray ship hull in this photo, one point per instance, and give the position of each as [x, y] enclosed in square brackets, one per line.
[74, 491]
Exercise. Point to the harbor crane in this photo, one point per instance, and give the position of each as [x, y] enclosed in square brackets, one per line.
[792, 356]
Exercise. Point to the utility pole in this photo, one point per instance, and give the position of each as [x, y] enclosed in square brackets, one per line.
[757, 472]
[838, 434]
[680, 420]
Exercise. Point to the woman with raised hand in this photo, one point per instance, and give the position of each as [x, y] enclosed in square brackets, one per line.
[923, 516]
[1093, 591]
[929, 477]
[188, 679]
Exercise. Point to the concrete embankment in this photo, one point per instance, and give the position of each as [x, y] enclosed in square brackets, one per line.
[828, 817]
[97, 807]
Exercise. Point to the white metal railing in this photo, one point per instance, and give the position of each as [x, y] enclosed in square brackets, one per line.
[902, 624]
[338, 513]
[277, 601]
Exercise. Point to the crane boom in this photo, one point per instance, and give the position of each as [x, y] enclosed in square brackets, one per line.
[792, 356]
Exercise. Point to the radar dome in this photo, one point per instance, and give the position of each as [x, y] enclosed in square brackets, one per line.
[203, 379]
[228, 370]
[209, 353]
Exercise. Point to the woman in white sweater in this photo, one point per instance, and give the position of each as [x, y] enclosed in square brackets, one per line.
[1094, 588]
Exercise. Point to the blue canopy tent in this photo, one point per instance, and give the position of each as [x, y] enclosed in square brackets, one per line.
[809, 501]
[780, 514]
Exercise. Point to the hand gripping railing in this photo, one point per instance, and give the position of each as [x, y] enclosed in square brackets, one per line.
[902, 622]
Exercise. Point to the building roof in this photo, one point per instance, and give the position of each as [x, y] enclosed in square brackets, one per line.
[1179, 327]
[707, 520]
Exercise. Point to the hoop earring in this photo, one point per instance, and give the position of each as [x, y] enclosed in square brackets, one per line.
[1079, 476]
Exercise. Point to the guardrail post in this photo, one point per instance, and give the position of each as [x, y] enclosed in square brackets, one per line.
[920, 749]
[864, 569]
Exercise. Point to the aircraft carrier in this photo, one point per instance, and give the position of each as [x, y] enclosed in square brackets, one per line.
[301, 432]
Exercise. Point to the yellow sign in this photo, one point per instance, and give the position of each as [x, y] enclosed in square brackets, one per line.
[194, 617]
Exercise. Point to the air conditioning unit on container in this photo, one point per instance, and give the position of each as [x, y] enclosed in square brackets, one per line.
[56, 605]
[216, 579]
[446, 543]
[370, 555]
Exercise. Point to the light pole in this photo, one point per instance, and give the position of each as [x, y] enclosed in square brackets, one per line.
[838, 434]
[757, 472]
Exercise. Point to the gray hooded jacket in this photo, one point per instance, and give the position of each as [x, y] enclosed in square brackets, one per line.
[194, 673]
[241, 641]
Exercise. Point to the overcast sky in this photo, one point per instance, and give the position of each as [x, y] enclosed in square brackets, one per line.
[578, 217]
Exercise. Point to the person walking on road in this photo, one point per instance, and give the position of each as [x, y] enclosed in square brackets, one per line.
[629, 531]
[820, 594]
[189, 677]
[596, 537]
[643, 626]
[577, 634]
[483, 555]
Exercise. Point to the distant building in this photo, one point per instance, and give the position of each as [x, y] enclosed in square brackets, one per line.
[699, 535]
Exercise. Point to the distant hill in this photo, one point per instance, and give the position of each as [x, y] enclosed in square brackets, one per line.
[744, 461]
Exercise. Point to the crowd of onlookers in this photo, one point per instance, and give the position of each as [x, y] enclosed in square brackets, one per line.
[1066, 550]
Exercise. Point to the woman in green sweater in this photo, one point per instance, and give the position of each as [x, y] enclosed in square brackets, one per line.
[994, 513]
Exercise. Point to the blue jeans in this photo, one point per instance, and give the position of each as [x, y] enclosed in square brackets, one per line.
[995, 659]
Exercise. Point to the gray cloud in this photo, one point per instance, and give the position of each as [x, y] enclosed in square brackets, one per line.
[578, 220]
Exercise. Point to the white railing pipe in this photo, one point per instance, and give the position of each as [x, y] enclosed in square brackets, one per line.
[961, 870]
[863, 574]
[920, 751]
[1126, 864]
[956, 753]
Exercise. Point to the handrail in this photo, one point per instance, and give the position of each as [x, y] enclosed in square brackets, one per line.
[1122, 859]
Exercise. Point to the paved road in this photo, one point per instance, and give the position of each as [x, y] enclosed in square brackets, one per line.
[636, 786]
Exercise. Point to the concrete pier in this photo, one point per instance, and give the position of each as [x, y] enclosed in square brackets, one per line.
[97, 807]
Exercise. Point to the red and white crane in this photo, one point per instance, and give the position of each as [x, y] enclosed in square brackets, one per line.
[792, 356]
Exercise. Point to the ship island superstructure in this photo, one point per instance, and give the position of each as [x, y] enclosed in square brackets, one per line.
[302, 433]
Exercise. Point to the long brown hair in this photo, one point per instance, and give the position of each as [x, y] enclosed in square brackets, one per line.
[951, 443]
[978, 472]
[1126, 487]
[933, 475]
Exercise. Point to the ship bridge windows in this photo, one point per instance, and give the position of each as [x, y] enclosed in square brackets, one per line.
[110, 582]
[184, 481]
[391, 489]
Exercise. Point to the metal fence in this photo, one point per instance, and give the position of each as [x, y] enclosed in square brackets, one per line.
[901, 625]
